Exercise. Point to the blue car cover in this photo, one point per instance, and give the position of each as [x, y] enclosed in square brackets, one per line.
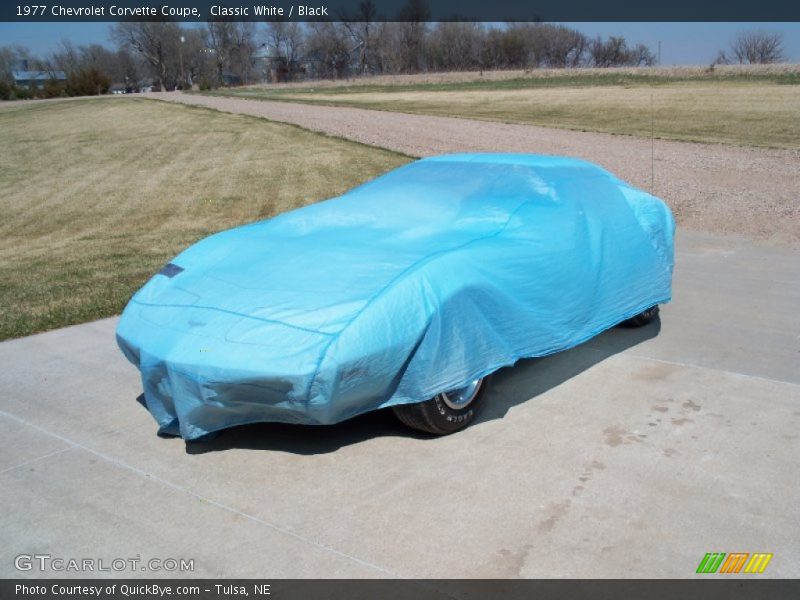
[410, 285]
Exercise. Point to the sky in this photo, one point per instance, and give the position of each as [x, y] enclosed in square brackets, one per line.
[681, 43]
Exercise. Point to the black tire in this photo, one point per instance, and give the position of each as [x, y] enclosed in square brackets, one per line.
[643, 318]
[440, 415]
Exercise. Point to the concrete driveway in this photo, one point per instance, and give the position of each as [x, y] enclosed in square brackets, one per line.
[630, 456]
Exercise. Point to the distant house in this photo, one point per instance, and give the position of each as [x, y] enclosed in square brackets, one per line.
[37, 78]
[25, 77]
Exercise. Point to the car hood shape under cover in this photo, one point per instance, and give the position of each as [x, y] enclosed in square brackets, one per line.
[410, 285]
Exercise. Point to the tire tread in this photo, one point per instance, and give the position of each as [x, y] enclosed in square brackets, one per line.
[643, 318]
[424, 416]
[416, 416]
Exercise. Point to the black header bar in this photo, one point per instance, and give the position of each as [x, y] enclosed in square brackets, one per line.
[401, 10]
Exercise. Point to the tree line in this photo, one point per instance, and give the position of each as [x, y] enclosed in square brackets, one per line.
[238, 53]
[226, 53]
[168, 55]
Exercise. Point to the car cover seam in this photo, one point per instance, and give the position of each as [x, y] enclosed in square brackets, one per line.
[233, 312]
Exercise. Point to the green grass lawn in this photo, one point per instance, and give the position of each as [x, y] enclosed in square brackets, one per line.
[96, 195]
[743, 109]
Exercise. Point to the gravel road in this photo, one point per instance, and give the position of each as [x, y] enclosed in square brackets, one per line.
[710, 187]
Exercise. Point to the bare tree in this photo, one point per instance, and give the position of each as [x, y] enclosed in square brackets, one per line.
[532, 45]
[412, 29]
[233, 46]
[513, 47]
[615, 52]
[198, 65]
[455, 46]
[294, 40]
[363, 32]
[218, 43]
[120, 66]
[608, 53]
[642, 56]
[95, 56]
[285, 39]
[244, 47]
[156, 42]
[66, 58]
[557, 46]
[329, 47]
[130, 69]
[756, 47]
[721, 58]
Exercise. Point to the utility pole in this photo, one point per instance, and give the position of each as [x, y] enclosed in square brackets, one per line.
[180, 55]
[659, 53]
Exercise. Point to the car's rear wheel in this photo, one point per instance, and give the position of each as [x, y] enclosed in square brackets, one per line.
[643, 318]
[446, 412]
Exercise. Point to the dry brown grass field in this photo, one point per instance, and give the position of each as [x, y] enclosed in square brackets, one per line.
[96, 195]
[748, 106]
[787, 72]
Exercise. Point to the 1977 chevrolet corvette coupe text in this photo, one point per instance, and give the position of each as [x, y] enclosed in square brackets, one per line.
[405, 292]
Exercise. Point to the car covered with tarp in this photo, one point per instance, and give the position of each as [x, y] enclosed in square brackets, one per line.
[405, 292]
